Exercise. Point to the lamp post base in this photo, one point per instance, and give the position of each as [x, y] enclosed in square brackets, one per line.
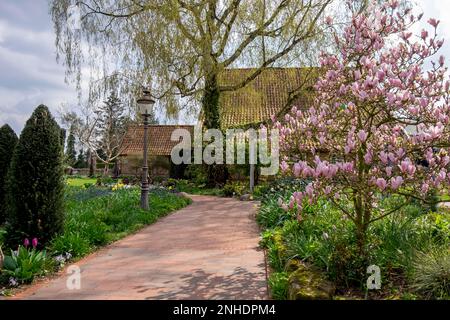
[144, 199]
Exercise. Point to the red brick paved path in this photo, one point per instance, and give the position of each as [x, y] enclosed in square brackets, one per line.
[208, 250]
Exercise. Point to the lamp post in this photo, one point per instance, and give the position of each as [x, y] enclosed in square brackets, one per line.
[145, 103]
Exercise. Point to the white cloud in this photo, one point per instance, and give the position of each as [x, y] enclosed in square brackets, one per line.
[30, 75]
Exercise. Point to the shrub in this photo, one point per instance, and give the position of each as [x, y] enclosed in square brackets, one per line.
[431, 276]
[35, 183]
[105, 180]
[234, 189]
[197, 174]
[24, 264]
[8, 141]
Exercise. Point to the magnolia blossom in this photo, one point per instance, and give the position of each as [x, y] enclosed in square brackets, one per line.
[396, 182]
[379, 122]
[381, 183]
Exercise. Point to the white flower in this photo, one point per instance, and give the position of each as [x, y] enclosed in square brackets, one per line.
[13, 282]
[60, 259]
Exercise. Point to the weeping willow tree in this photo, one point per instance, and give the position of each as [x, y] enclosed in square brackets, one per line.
[179, 48]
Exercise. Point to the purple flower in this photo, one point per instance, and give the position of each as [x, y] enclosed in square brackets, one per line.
[34, 242]
[26, 243]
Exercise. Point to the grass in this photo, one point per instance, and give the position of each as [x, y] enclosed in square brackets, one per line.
[78, 182]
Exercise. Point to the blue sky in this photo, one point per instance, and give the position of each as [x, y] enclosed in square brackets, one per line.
[29, 74]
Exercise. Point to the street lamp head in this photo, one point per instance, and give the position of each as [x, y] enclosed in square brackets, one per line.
[145, 103]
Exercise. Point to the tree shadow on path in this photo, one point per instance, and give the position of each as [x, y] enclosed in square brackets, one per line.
[241, 284]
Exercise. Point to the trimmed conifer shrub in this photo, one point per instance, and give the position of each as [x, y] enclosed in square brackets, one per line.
[8, 141]
[35, 181]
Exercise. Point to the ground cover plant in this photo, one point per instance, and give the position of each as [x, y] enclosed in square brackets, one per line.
[411, 248]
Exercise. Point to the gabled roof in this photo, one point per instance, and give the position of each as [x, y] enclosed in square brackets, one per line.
[159, 138]
[270, 93]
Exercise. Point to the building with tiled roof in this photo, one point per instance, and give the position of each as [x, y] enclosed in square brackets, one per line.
[159, 139]
[272, 92]
[160, 146]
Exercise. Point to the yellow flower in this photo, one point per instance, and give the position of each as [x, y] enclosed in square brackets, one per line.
[117, 186]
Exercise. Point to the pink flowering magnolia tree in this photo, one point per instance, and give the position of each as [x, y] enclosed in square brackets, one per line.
[379, 122]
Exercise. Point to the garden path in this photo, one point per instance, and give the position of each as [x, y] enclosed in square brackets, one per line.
[208, 250]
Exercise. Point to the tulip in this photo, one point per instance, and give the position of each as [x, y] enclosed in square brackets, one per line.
[34, 242]
[26, 242]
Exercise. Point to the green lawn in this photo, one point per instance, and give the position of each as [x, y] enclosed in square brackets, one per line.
[78, 182]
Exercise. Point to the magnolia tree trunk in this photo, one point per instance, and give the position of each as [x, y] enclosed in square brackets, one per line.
[361, 215]
[106, 169]
[217, 173]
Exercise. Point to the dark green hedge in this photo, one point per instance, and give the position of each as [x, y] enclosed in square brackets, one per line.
[8, 141]
[35, 182]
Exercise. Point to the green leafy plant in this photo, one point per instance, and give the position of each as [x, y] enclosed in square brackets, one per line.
[231, 189]
[105, 180]
[431, 276]
[24, 264]
[70, 242]
[278, 282]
